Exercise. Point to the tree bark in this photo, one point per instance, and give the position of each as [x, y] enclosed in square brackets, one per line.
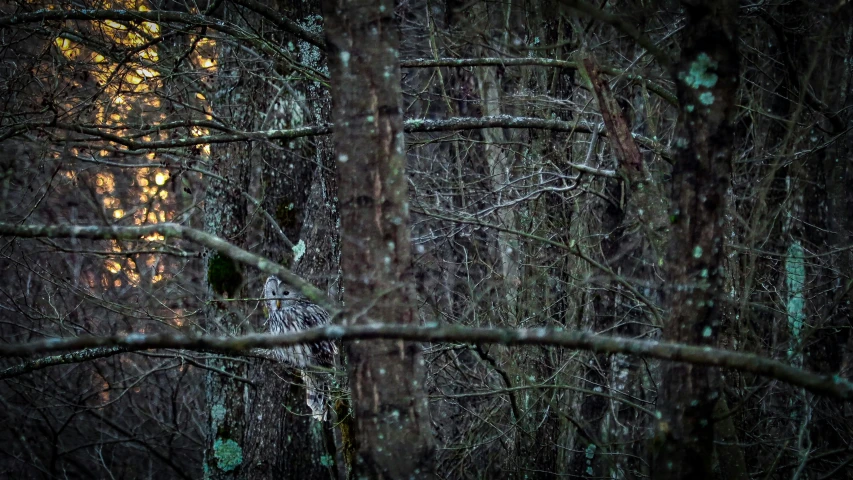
[386, 378]
[225, 217]
[274, 435]
[282, 439]
[707, 79]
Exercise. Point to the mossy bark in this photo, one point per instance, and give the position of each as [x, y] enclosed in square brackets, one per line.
[282, 440]
[225, 216]
[707, 77]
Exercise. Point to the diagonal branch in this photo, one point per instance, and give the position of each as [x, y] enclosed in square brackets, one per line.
[62, 359]
[280, 20]
[625, 27]
[173, 230]
[621, 141]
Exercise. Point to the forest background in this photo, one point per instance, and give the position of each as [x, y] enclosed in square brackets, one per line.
[558, 239]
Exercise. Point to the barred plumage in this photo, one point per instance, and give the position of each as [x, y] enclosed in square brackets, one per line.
[290, 311]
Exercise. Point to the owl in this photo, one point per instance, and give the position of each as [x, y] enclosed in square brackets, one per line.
[290, 311]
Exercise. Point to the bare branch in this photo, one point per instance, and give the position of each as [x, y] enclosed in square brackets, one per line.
[625, 27]
[87, 354]
[594, 171]
[63, 359]
[162, 16]
[661, 91]
[283, 22]
[827, 385]
[410, 126]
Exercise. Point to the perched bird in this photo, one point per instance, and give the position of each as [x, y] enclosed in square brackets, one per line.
[290, 311]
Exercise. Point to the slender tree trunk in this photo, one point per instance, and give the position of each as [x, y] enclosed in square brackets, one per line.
[630, 225]
[707, 79]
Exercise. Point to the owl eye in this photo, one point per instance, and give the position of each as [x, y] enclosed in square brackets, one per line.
[285, 293]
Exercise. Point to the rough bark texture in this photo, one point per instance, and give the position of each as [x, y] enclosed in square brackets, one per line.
[386, 378]
[707, 79]
[621, 141]
[274, 433]
[731, 463]
[537, 201]
[225, 216]
[645, 202]
[283, 440]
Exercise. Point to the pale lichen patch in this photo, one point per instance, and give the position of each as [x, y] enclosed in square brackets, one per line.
[699, 75]
[228, 454]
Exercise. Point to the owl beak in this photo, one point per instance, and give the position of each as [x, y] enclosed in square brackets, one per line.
[278, 304]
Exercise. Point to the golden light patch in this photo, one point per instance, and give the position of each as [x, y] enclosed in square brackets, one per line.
[133, 79]
[63, 43]
[151, 28]
[68, 48]
[147, 73]
[104, 183]
[132, 277]
[115, 25]
[127, 91]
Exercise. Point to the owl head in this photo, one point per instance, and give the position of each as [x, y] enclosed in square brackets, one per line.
[276, 292]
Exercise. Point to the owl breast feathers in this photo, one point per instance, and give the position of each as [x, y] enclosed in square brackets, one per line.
[290, 311]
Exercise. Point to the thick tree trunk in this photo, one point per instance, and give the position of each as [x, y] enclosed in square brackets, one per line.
[707, 79]
[386, 378]
[225, 216]
[274, 435]
[283, 440]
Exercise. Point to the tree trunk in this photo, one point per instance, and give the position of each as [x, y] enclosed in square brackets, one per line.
[282, 439]
[707, 79]
[225, 216]
[274, 435]
[386, 378]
